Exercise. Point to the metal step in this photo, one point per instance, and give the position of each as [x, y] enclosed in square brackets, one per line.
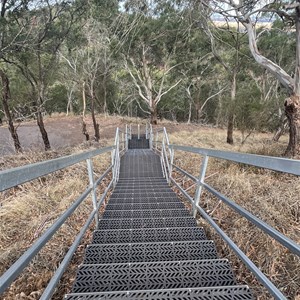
[153, 275]
[142, 180]
[105, 224]
[143, 194]
[142, 200]
[142, 184]
[147, 235]
[136, 143]
[145, 214]
[239, 292]
[143, 206]
[142, 189]
[150, 252]
[135, 136]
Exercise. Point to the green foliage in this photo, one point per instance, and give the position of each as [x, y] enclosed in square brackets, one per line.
[92, 41]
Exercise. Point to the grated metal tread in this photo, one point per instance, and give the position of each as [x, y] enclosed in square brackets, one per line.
[241, 292]
[143, 189]
[133, 183]
[142, 206]
[142, 200]
[145, 214]
[143, 194]
[146, 235]
[141, 143]
[143, 180]
[153, 275]
[150, 252]
[140, 163]
[105, 224]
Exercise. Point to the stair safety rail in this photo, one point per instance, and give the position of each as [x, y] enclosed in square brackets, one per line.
[16, 176]
[289, 166]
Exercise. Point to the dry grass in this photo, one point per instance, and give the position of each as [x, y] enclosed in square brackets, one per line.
[28, 210]
[271, 196]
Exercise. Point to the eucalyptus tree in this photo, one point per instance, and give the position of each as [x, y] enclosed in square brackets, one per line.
[9, 41]
[44, 25]
[246, 12]
[150, 53]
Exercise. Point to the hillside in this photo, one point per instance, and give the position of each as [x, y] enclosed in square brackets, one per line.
[28, 210]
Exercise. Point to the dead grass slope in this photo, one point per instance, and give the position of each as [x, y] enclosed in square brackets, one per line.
[28, 210]
[271, 196]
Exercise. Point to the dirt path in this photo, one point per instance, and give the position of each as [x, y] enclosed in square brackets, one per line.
[66, 131]
[62, 132]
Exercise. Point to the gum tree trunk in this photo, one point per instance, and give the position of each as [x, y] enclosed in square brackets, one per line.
[153, 116]
[40, 123]
[292, 111]
[39, 118]
[292, 104]
[5, 99]
[95, 124]
[230, 123]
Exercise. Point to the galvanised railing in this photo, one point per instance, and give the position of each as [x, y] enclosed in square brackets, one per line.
[13, 177]
[166, 150]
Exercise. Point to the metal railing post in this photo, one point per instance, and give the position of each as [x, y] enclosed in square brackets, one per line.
[126, 137]
[200, 184]
[151, 137]
[115, 158]
[130, 131]
[171, 163]
[146, 130]
[92, 185]
[138, 131]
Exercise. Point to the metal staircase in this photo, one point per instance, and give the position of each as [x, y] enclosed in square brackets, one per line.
[148, 246]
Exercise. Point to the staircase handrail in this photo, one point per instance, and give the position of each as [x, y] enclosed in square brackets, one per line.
[285, 165]
[16, 176]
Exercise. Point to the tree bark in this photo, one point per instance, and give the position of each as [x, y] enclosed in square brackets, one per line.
[43, 131]
[5, 99]
[153, 116]
[190, 113]
[95, 124]
[230, 129]
[231, 109]
[39, 118]
[292, 111]
[84, 130]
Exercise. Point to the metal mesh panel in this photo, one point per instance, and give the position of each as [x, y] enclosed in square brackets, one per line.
[208, 293]
[148, 235]
[146, 189]
[146, 223]
[138, 184]
[142, 200]
[150, 252]
[140, 163]
[142, 180]
[145, 214]
[153, 275]
[141, 143]
[143, 194]
[142, 206]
